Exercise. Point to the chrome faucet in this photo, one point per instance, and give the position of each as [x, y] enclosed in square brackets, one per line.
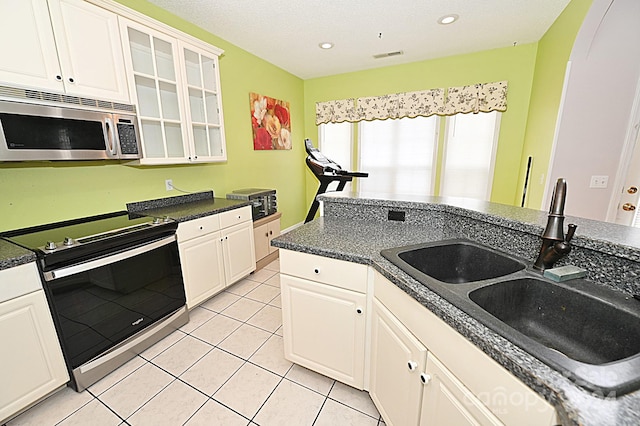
[555, 245]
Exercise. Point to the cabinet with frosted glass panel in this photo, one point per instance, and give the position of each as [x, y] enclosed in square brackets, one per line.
[175, 87]
[205, 111]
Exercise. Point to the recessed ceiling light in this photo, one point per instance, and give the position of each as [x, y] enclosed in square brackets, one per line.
[326, 45]
[448, 19]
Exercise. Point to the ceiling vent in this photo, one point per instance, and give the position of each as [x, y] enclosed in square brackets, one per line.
[388, 54]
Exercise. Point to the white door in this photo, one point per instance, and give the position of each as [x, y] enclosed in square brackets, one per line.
[627, 206]
[447, 401]
[239, 252]
[202, 268]
[397, 359]
[324, 329]
[31, 362]
[28, 52]
[89, 48]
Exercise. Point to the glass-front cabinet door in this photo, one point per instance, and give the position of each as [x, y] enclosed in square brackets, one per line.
[175, 84]
[152, 60]
[204, 103]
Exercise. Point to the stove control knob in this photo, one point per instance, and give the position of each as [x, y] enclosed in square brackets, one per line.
[166, 219]
[50, 245]
[156, 220]
[68, 241]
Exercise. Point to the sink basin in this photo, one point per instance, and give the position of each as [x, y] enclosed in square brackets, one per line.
[453, 261]
[587, 332]
[581, 327]
[594, 341]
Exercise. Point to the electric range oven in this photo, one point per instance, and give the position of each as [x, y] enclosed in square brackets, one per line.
[114, 286]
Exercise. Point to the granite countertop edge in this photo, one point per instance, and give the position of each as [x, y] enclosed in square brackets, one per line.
[574, 405]
[616, 240]
[12, 255]
[183, 208]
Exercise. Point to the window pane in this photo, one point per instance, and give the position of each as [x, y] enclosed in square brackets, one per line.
[469, 154]
[398, 155]
[335, 144]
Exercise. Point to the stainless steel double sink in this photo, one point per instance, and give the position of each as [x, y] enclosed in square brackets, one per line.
[587, 332]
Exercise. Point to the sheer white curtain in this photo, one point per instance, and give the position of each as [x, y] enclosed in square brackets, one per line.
[469, 155]
[399, 155]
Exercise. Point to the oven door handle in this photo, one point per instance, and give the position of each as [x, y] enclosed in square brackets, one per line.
[93, 264]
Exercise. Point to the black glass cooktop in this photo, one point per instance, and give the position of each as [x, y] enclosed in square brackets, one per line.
[79, 238]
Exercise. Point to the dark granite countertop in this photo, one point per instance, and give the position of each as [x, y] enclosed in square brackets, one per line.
[359, 240]
[180, 208]
[186, 207]
[12, 255]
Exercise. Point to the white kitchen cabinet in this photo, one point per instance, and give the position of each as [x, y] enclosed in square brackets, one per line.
[65, 46]
[151, 58]
[264, 230]
[202, 90]
[237, 248]
[176, 89]
[461, 384]
[215, 252]
[201, 259]
[31, 362]
[397, 360]
[324, 319]
[447, 401]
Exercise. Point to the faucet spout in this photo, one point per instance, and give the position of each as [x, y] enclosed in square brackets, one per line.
[554, 243]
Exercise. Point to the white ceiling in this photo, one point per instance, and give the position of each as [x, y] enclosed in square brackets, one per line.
[287, 32]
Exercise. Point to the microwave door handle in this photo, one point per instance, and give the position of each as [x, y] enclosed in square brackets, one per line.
[112, 149]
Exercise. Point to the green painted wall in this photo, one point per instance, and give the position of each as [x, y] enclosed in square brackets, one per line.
[514, 64]
[35, 193]
[554, 50]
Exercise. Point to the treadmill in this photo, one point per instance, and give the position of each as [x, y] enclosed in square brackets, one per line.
[326, 171]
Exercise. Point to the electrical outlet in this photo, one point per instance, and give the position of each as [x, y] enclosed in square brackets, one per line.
[169, 184]
[599, 181]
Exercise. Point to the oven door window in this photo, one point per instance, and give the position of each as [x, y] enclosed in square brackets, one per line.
[104, 305]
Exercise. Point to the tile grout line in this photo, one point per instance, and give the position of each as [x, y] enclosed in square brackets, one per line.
[323, 403]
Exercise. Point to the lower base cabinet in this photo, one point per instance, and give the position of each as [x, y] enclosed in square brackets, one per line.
[447, 401]
[457, 385]
[31, 361]
[324, 316]
[215, 252]
[397, 359]
[348, 322]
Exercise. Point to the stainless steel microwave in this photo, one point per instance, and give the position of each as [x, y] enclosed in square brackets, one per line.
[43, 132]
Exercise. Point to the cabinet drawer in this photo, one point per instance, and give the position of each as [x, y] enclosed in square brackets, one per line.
[197, 227]
[338, 273]
[234, 217]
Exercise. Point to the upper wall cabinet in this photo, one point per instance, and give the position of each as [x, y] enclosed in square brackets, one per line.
[65, 46]
[202, 83]
[176, 88]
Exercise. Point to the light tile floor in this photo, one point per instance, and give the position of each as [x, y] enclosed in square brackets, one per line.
[225, 367]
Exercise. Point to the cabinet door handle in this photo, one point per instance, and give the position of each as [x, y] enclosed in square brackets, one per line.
[359, 310]
[71, 80]
[412, 365]
[317, 271]
[266, 235]
[425, 378]
[59, 77]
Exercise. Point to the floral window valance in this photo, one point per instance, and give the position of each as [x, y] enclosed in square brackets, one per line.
[484, 97]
